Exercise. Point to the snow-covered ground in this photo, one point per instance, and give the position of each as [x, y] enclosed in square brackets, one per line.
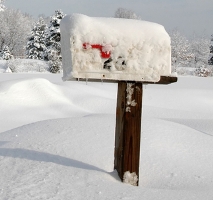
[23, 66]
[57, 140]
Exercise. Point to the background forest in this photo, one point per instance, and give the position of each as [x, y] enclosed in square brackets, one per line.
[22, 36]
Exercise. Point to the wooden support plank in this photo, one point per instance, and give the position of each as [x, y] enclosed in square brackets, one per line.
[163, 80]
[128, 129]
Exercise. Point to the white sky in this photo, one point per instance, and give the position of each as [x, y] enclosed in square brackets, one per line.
[188, 16]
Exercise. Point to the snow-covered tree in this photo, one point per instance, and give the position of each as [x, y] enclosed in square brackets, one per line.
[182, 54]
[53, 42]
[36, 45]
[2, 7]
[14, 30]
[210, 60]
[6, 54]
[200, 49]
[125, 13]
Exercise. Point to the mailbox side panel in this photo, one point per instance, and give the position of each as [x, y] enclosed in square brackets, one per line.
[65, 29]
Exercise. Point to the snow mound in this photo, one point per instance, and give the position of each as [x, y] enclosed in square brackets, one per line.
[40, 99]
[36, 99]
[57, 156]
[32, 92]
[61, 146]
[183, 150]
[27, 65]
[113, 48]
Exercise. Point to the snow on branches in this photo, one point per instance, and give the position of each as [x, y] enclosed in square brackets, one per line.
[14, 30]
[6, 54]
[53, 44]
[181, 50]
[36, 46]
[44, 42]
[191, 54]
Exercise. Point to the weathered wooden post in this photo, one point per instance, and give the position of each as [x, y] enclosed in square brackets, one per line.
[105, 49]
[128, 131]
[128, 128]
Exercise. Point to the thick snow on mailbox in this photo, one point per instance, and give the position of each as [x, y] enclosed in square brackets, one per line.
[113, 48]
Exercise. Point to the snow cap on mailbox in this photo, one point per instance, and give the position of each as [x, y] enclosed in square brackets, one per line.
[114, 49]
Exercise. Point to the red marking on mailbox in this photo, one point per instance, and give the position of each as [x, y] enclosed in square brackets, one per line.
[104, 53]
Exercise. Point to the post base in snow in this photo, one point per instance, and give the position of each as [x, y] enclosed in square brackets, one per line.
[128, 131]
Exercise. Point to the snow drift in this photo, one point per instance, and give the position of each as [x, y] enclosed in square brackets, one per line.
[24, 66]
[57, 140]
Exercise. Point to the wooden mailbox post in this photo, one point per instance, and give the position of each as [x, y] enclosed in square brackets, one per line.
[128, 128]
[106, 49]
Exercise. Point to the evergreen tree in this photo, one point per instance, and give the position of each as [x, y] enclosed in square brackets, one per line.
[53, 44]
[6, 54]
[36, 45]
[210, 61]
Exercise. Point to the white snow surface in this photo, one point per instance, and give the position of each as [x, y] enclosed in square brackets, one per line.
[143, 46]
[57, 140]
[23, 66]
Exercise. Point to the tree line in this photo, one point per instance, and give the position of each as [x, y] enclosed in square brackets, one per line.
[23, 36]
[44, 42]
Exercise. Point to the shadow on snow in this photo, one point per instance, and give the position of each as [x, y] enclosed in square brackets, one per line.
[46, 157]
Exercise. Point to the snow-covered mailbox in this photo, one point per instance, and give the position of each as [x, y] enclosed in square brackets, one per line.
[128, 51]
[114, 49]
